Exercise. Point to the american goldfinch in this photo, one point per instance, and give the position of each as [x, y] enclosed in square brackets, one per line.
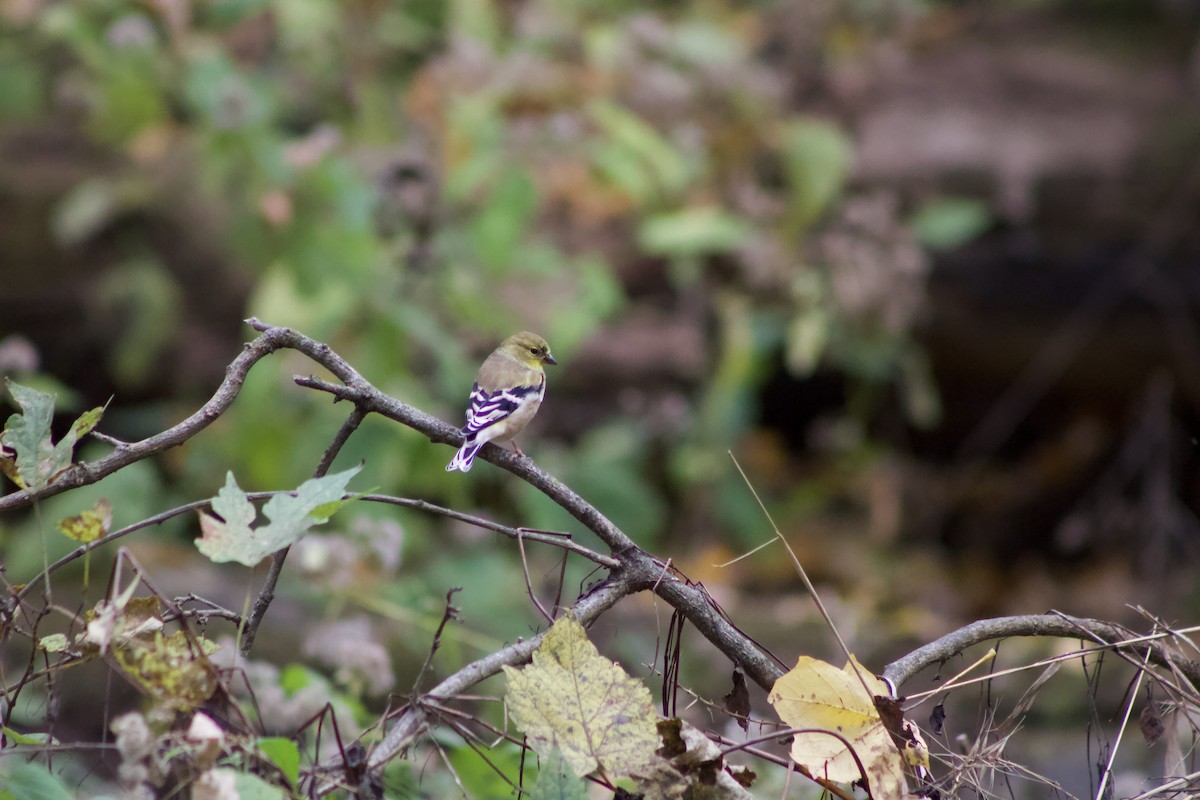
[508, 391]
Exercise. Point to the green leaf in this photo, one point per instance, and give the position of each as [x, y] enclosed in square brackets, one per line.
[498, 229]
[922, 403]
[284, 754]
[226, 99]
[226, 13]
[636, 145]
[232, 537]
[22, 88]
[37, 459]
[35, 739]
[246, 785]
[34, 782]
[294, 677]
[692, 232]
[321, 514]
[557, 781]
[817, 160]
[303, 24]
[131, 100]
[950, 222]
[807, 337]
[84, 210]
[87, 421]
[146, 295]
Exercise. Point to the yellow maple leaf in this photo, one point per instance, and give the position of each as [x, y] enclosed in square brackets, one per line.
[817, 695]
[174, 669]
[575, 699]
[89, 525]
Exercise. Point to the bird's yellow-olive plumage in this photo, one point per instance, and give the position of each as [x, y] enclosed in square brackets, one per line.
[508, 391]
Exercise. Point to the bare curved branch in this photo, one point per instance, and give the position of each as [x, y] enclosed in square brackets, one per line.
[272, 339]
[1055, 625]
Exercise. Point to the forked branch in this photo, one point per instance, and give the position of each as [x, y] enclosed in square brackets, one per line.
[631, 569]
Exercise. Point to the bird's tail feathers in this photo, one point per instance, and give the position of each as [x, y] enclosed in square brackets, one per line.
[464, 458]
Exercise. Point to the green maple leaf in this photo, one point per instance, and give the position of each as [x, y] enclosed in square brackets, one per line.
[36, 460]
[232, 536]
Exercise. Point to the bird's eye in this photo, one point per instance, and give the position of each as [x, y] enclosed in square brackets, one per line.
[533, 350]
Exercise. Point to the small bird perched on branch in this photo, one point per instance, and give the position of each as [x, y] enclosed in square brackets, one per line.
[508, 391]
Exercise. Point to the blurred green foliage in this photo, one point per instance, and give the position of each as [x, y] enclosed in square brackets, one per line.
[532, 131]
[410, 182]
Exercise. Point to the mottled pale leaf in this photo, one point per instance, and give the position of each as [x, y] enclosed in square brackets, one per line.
[574, 699]
[89, 525]
[817, 695]
[174, 669]
[119, 620]
[312, 503]
[232, 536]
[54, 643]
[221, 534]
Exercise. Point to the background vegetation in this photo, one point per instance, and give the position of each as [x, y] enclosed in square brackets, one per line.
[927, 269]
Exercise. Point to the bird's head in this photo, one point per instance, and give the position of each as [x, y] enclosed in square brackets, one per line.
[529, 348]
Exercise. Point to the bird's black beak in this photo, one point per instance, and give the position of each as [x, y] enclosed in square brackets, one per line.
[549, 359]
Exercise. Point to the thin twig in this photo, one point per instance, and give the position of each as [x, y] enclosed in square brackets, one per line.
[112, 441]
[827, 785]
[1124, 726]
[808, 585]
[267, 594]
[529, 582]
[543, 537]
[448, 614]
